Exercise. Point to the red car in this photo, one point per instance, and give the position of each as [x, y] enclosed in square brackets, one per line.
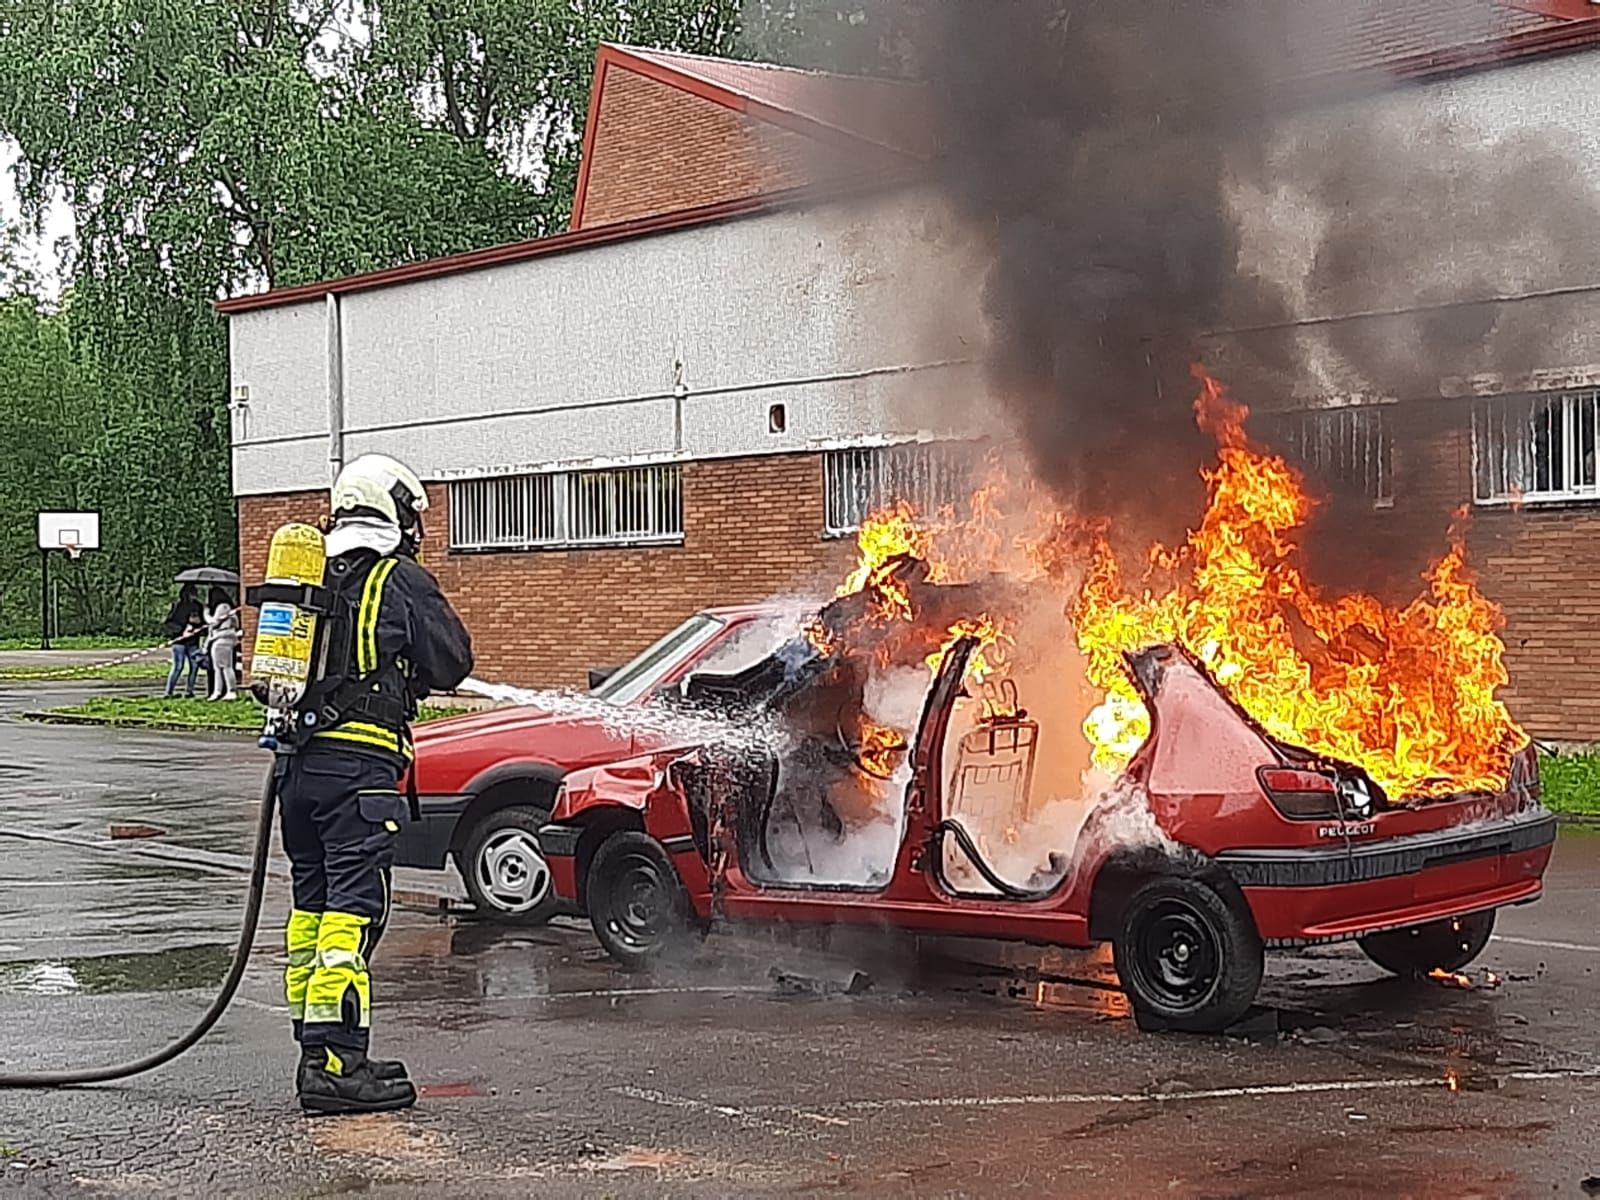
[1218, 843]
[487, 781]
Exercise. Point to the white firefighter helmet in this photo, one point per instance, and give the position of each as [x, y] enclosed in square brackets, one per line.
[376, 485]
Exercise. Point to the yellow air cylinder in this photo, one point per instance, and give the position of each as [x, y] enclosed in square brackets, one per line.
[286, 633]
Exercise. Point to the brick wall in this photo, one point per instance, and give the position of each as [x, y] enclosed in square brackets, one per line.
[657, 148]
[660, 149]
[752, 531]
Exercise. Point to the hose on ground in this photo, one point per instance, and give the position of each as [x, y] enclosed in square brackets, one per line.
[230, 985]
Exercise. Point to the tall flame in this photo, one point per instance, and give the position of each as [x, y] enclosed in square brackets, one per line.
[1407, 694]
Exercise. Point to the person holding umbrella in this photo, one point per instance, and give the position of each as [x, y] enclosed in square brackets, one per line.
[184, 625]
[218, 619]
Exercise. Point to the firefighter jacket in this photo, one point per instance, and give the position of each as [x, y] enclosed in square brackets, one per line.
[394, 641]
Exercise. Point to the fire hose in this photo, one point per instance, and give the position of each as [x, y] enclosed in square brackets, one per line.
[230, 985]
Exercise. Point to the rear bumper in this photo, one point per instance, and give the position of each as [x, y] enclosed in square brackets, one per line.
[1303, 896]
[426, 843]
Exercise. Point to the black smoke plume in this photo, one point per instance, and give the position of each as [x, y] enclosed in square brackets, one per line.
[1117, 157]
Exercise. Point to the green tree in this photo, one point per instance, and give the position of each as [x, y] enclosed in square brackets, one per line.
[513, 76]
[208, 147]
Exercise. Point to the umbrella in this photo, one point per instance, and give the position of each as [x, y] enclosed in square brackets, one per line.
[207, 575]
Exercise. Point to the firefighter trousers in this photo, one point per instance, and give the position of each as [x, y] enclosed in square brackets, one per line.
[341, 810]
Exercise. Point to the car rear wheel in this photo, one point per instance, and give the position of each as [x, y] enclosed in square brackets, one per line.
[636, 901]
[1187, 955]
[504, 868]
[1445, 945]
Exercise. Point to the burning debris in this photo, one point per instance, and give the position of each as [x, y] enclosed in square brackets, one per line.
[1487, 981]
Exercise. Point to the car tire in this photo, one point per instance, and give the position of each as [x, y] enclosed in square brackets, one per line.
[1418, 949]
[504, 868]
[1188, 956]
[636, 901]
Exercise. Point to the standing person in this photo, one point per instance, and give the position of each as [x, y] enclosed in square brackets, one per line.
[222, 622]
[184, 624]
[390, 639]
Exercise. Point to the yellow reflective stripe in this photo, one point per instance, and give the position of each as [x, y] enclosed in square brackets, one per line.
[300, 939]
[333, 1064]
[367, 617]
[340, 967]
[369, 735]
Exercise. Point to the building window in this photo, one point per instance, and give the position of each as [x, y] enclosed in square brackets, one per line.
[628, 506]
[1350, 450]
[859, 482]
[1536, 448]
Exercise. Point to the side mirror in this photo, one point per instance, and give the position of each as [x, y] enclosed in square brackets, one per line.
[598, 675]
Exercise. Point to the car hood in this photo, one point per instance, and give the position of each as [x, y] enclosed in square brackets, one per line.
[486, 723]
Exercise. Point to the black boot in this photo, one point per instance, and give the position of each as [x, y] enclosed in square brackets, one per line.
[332, 1083]
[383, 1068]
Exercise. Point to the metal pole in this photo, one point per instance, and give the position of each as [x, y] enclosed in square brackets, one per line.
[44, 599]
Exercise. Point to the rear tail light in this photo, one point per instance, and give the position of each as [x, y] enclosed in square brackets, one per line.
[1298, 794]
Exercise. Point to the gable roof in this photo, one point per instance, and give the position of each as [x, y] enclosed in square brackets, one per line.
[883, 114]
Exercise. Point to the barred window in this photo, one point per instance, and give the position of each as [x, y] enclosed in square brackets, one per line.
[1536, 448]
[859, 482]
[1349, 449]
[627, 506]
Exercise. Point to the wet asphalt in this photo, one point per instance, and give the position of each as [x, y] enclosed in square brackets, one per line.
[747, 1070]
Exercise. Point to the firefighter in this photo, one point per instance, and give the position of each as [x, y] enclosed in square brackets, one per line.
[392, 639]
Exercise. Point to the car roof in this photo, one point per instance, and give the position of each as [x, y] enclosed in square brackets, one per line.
[765, 608]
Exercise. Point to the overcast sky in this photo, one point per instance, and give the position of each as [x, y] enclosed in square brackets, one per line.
[39, 254]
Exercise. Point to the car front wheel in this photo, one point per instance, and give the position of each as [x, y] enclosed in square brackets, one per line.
[504, 868]
[1442, 945]
[636, 901]
[1187, 955]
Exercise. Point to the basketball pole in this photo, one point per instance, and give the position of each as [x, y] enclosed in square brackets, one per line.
[44, 598]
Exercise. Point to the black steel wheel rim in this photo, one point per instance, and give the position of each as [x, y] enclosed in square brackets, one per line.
[1177, 954]
[638, 901]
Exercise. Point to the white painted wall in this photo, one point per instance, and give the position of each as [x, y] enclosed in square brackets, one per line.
[1537, 125]
[575, 357]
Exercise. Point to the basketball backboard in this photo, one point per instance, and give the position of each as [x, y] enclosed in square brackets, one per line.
[58, 530]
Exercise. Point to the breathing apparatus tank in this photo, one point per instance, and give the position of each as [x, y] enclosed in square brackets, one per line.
[290, 603]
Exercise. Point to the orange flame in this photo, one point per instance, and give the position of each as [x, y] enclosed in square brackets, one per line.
[1408, 694]
[880, 750]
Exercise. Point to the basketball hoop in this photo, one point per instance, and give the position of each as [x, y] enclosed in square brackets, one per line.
[74, 551]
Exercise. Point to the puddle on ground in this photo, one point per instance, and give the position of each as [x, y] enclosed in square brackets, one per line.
[173, 970]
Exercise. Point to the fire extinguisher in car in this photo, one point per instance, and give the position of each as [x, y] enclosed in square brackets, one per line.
[286, 629]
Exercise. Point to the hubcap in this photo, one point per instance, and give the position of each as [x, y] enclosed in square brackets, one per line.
[511, 871]
[1177, 954]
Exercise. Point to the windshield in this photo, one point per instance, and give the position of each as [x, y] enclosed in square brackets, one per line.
[749, 644]
[647, 670]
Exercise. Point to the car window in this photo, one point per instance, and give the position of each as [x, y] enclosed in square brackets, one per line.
[747, 645]
[654, 664]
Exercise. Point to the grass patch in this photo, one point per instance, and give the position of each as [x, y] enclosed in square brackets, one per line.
[88, 641]
[157, 712]
[1571, 783]
[145, 669]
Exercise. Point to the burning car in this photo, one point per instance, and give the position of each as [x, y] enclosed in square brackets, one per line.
[1216, 843]
[1222, 757]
